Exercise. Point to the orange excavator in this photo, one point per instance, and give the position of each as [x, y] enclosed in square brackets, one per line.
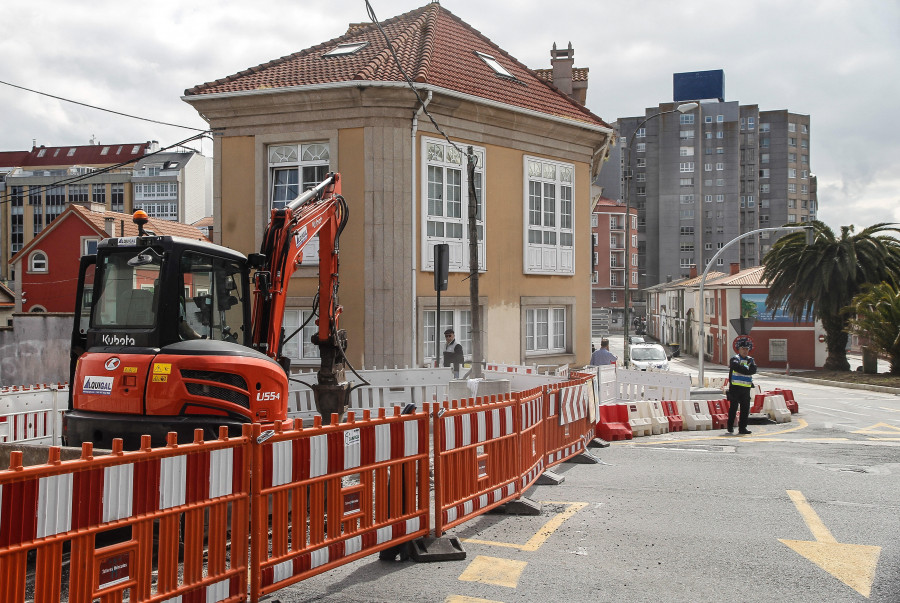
[165, 338]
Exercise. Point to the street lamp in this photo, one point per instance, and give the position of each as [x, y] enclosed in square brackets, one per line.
[679, 109]
[702, 343]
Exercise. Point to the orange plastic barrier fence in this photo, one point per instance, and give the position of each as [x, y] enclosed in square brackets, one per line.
[676, 421]
[612, 423]
[107, 509]
[568, 428]
[718, 410]
[531, 436]
[327, 495]
[476, 458]
[788, 399]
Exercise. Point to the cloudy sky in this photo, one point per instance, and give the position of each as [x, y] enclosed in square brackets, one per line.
[836, 60]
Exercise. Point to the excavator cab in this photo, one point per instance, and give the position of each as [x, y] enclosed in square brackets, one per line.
[163, 344]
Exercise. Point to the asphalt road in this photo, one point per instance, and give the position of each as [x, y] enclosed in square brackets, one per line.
[800, 511]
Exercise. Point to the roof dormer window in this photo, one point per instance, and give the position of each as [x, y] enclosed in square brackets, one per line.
[345, 49]
[495, 65]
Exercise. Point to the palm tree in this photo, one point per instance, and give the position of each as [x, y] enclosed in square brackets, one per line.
[876, 316]
[819, 280]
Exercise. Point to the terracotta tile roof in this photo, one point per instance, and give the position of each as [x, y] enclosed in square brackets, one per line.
[607, 202]
[13, 158]
[434, 46]
[91, 154]
[750, 276]
[160, 227]
[7, 297]
[579, 74]
[695, 282]
[97, 221]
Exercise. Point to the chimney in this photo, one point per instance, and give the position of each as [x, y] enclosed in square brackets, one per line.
[562, 62]
[109, 225]
[735, 268]
[693, 273]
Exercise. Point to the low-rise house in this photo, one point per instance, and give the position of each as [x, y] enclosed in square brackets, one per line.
[778, 341]
[46, 268]
[344, 105]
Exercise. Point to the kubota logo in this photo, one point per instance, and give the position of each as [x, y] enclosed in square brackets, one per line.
[267, 396]
[116, 340]
[112, 364]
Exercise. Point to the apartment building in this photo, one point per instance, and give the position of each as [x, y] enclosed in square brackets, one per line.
[40, 184]
[701, 178]
[608, 260]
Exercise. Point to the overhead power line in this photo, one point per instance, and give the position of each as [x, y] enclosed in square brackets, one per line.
[7, 197]
[68, 100]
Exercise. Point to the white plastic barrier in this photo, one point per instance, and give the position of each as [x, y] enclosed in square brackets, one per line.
[387, 388]
[776, 408]
[511, 368]
[521, 381]
[33, 414]
[605, 385]
[715, 382]
[653, 410]
[640, 425]
[652, 385]
[695, 414]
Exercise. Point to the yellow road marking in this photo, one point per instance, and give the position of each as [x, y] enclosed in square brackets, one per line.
[535, 542]
[462, 599]
[810, 517]
[881, 429]
[493, 570]
[852, 564]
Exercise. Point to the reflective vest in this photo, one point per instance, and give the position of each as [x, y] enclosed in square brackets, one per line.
[739, 380]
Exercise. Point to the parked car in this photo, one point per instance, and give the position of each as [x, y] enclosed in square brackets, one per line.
[646, 356]
[635, 339]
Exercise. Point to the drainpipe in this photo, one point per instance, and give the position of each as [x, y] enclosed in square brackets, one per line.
[414, 247]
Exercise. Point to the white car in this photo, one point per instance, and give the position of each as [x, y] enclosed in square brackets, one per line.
[646, 356]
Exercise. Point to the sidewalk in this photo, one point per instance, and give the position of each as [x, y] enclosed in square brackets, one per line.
[689, 364]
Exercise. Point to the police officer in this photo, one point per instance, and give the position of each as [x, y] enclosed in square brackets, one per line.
[740, 382]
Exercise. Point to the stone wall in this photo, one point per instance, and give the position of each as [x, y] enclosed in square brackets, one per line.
[36, 349]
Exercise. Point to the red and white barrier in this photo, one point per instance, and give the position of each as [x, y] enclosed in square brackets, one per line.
[695, 414]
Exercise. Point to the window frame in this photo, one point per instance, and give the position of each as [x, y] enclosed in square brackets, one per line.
[459, 245]
[552, 255]
[554, 336]
[33, 268]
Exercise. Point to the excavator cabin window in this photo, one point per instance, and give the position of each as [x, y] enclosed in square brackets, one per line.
[210, 306]
[128, 290]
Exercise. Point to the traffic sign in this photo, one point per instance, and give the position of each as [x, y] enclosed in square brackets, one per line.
[742, 340]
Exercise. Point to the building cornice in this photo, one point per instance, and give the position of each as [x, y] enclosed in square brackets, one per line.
[197, 99]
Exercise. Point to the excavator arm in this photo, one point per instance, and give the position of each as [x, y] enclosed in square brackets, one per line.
[323, 211]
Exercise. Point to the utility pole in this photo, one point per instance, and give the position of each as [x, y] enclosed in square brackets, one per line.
[477, 354]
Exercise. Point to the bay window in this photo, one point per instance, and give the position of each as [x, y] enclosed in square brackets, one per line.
[549, 217]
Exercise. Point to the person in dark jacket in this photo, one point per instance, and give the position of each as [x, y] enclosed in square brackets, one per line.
[740, 383]
[453, 352]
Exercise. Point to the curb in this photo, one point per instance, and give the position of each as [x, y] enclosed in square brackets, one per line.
[863, 386]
